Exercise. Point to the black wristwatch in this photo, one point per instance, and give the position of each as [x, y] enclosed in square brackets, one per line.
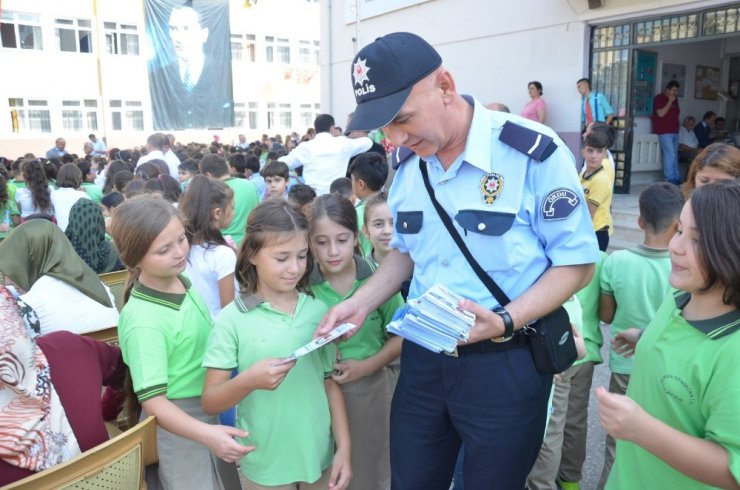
[508, 322]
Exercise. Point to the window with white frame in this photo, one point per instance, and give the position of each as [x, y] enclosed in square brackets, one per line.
[286, 116]
[307, 116]
[237, 47]
[121, 38]
[271, 115]
[251, 47]
[269, 48]
[21, 31]
[304, 52]
[316, 52]
[80, 115]
[316, 110]
[283, 51]
[74, 35]
[30, 115]
[126, 115]
[253, 115]
[239, 114]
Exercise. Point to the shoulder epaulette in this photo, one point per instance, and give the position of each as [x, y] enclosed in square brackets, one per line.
[536, 146]
[400, 155]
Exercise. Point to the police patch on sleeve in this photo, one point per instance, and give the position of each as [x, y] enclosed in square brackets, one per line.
[559, 204]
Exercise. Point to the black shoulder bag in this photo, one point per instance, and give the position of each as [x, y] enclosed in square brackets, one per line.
[553, 346]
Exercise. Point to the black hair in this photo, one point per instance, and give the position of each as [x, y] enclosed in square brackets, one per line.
[134, 188]
[147, 171]
[719, 120]
[370, 167]
[189, 165]
[4, 195]
[660, 206]
[671, 84]
[537, 85]
[301, 194]
[608, 130]
[37, 183]
[587, 81]
[596, 139]
[214, 164]
[708, 115]
[112, 199]
[323, 123]
[168, 186]
[239, 162]
[203, 196]
[164, 169]
[253, 163]
[341, 186]
[122, 179]
[275, 168]
[714, 206]
[113, 168]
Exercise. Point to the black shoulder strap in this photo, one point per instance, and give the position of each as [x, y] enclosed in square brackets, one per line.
[531, 143]
[485, 278]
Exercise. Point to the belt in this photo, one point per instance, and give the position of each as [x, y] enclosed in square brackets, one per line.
[519, 339]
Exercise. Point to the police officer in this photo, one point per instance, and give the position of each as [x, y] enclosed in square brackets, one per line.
[511, 188]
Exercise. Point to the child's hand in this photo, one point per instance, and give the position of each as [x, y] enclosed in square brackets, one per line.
[349, 370]
[220, 440]
[265, 375]
[620, 416]
[341, 472]
[624, 343]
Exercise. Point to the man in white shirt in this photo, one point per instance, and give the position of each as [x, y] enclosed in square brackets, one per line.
[99, 148]
[325, 157]
[688, 144]
[155, 145]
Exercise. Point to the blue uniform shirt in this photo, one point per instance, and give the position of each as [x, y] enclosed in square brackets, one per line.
[517, 216]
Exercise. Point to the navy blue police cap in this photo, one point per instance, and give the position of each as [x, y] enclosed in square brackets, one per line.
[383, 74]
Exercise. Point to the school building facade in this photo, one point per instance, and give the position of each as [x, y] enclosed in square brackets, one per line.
[629, 49]
[75, 67]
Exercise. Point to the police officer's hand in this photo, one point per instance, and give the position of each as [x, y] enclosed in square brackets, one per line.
[345, 312]
[488, 325]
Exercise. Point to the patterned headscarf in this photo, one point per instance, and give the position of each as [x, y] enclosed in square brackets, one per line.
[35, 433]
[86, 231]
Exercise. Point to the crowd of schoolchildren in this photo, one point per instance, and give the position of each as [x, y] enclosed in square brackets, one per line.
[232, 264]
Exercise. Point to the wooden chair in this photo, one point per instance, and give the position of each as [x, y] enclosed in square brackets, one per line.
[116, 282]
[117, 464]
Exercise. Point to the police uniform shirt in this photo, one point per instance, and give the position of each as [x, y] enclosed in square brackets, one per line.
[518, 216]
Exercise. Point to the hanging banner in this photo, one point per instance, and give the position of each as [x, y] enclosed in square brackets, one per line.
[190, 64]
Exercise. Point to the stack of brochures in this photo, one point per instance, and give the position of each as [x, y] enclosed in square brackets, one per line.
[434, 321]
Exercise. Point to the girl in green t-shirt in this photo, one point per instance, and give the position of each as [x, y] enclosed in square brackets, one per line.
[293, 409]
[361, 372]
[378, 226]
[677, 425]
[163, 329]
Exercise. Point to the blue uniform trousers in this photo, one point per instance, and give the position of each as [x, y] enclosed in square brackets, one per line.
[494, 403]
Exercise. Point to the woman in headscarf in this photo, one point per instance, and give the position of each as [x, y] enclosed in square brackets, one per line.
[58, 290]
[48, 412]
[86, 232]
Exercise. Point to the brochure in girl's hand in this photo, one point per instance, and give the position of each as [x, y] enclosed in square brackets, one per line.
[434, 320]
[316, 343]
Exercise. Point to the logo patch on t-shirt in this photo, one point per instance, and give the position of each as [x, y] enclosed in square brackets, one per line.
[559, 204]
[491, 185]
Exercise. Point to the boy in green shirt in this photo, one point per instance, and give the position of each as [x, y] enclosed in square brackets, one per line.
[635, 281]
[368, 172]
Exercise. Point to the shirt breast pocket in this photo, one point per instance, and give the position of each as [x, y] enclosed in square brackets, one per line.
[486, 234]
[409, 222]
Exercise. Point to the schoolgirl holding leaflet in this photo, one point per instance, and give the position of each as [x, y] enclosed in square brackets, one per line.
[677, 424]
[294, 411]
[361, 371]
[163, 329]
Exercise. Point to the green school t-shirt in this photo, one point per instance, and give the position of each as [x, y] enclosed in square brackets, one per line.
[246, 198]
[638, 280]
[291, 425]
[589, 299]
[94, 191]
[372, 336]
[163, 339]
[686, 375]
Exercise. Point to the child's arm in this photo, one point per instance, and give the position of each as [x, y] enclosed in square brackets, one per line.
[700, 459]
[226, 289]
[218, 438]
[221, 391]
[351, 369]
[341, 471]
[607, 307]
